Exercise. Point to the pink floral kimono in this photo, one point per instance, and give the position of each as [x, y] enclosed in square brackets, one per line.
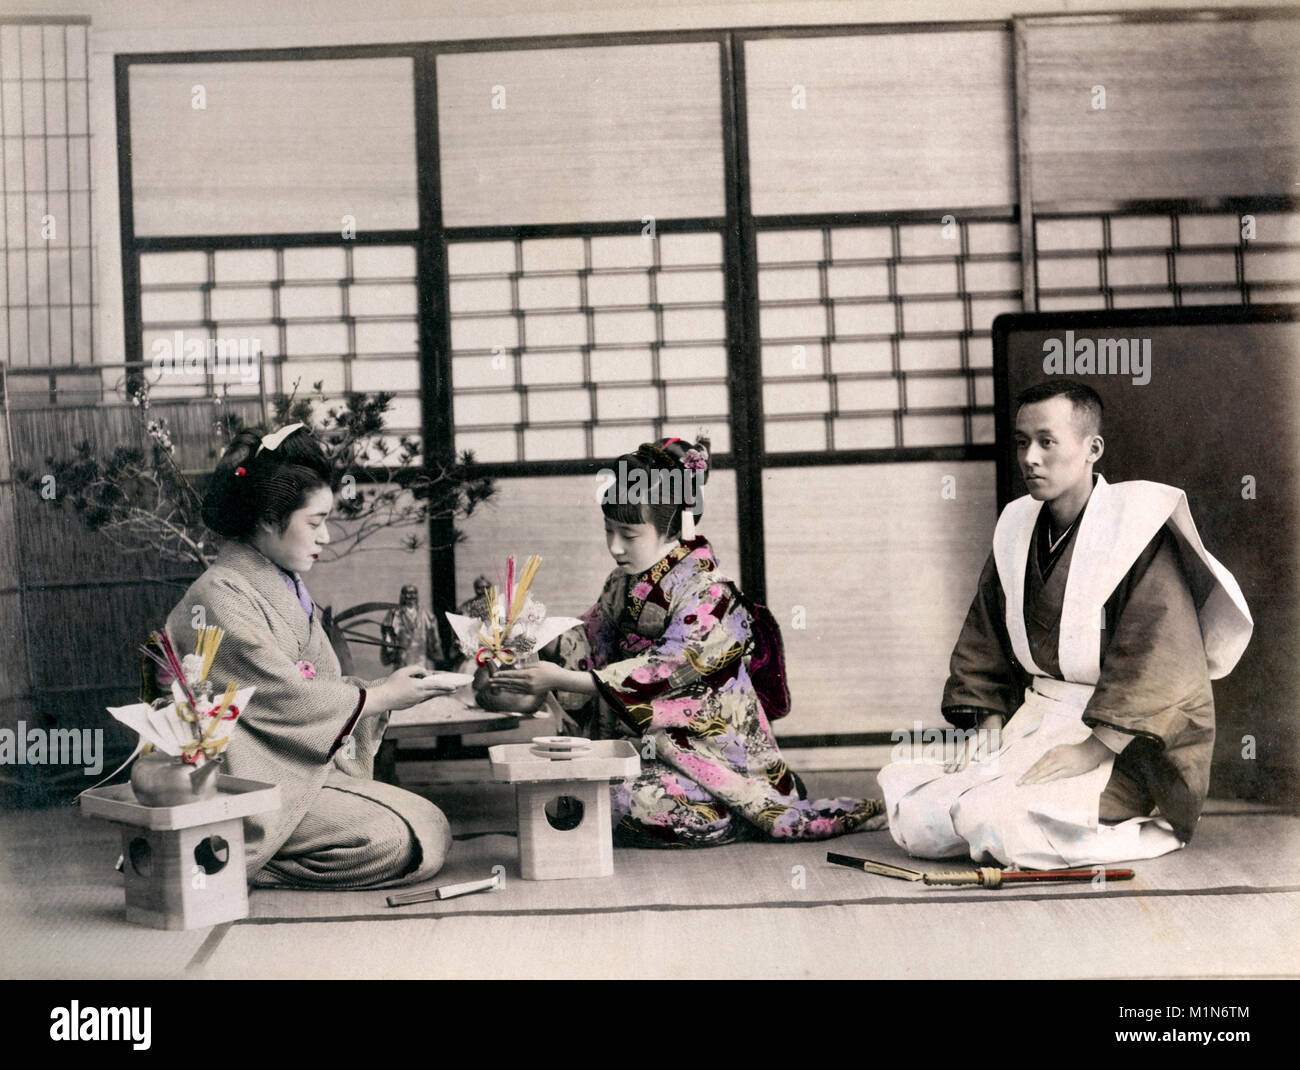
[692, 673]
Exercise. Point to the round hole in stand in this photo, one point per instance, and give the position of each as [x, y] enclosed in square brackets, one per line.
[564, 813]
[140, 855]
[212, 854]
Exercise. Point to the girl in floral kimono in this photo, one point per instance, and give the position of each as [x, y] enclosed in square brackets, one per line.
[688, 669]
[309, 729]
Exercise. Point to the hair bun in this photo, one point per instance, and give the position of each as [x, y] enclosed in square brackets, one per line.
[227, 498]
[257, 484]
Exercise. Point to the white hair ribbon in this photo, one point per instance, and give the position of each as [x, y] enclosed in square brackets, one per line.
[272, 441]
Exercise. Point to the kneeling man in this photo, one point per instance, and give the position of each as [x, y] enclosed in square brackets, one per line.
[1084, 663]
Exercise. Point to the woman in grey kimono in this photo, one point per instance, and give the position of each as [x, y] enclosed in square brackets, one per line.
[309, 729]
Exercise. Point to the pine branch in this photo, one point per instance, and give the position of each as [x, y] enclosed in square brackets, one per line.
[143, 501]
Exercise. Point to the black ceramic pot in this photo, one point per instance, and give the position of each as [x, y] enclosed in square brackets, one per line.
[497, 701]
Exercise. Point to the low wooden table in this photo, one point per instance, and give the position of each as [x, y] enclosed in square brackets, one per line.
[184, 865]
[583, 844]
[446, 719]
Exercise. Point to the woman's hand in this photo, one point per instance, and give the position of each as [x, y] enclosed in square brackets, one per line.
[406, 687]
[541, 678]
[533, 680]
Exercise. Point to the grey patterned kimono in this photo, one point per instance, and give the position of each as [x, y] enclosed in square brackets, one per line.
[336, 827]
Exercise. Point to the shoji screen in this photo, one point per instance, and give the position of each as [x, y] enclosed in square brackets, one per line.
[583, 196]
[884, 193]
[47, 300]
[275, 203]
[565, 348]
[870, 571]
[266, 151]
[1137, 133]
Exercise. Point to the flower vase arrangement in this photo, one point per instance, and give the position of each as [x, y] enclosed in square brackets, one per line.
[508, 627]
[182, 737]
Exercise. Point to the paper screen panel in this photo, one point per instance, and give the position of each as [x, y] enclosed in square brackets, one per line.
[891, 121]
[1192, 109]
[279, 146]
[565, 348]
[47, 299]
[581, 134]
[281, 319]
[878, 337]
[1154, 260]
[880, 568]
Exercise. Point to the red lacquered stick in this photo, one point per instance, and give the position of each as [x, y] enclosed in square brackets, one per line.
[993, 877]
[1065, 875]
[984, 876]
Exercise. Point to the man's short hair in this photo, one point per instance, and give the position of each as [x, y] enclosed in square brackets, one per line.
[1086, 401]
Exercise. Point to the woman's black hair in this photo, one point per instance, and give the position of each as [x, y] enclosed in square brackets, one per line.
[666, 472]
[251, 487]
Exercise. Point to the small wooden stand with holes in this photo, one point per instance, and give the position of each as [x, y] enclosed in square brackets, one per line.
[184, 865]
[581, 844]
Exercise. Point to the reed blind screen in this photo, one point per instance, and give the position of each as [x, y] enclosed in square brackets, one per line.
[581, 134]
[881, 122]
[275, 147]
[1124, 110]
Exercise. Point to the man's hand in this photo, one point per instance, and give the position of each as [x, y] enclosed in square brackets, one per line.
[1067, 760]
[986, 740]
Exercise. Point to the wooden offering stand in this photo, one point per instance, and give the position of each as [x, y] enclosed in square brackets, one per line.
[562, 796]
[184, 865]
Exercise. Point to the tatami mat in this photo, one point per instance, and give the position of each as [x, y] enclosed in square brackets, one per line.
[1170, 936]
[62, 908]
[737, 910]
[1236, 853]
